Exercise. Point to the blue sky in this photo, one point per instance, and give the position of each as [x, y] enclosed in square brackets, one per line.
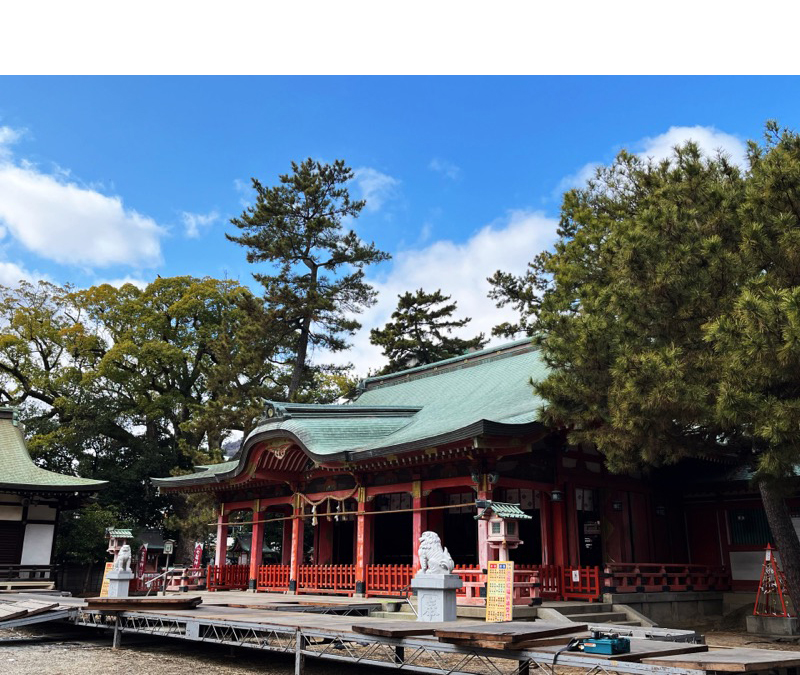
[107, 179]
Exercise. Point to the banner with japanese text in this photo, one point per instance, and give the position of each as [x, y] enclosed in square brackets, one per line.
[500, 591]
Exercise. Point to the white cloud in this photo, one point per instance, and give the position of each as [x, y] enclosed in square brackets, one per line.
[460, 270]
[196, 224]
[709, 139]
[8, 136]
[119, 283]
[60, 220]
[11, 274]
[446, 168]
[376, 187]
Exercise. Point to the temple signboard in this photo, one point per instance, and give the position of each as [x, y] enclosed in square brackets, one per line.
[500, 590]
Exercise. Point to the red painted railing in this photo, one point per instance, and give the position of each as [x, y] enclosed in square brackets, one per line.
[388, 580]
[273, 578]
[550, 580]
[658, 577]
[227, 577]
[526, 585]
[327, 579]
[581, 583]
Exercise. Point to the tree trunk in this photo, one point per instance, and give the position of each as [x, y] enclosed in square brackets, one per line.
[783, 532]
[300, 359]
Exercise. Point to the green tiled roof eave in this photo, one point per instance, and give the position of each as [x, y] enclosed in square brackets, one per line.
[505, 510]
[20, 473]
[484, 393]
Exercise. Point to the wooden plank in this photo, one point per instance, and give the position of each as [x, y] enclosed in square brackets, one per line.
[8, 612]
[400, 629]
[35, 606]
[133, 604]
[558, 642]
[735, 660]
[509, 631]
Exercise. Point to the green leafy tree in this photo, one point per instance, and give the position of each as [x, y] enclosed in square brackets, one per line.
[419, 332]
[664, 313]
[317, 282]
[124, 384]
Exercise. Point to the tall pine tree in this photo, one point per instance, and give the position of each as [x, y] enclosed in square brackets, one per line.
[667, 313]
[317, 282]
[419, 332]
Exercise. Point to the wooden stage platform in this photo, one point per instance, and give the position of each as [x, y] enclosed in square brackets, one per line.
[331, 628]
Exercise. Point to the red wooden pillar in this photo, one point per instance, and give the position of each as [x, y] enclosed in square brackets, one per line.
[559, 516]
[297, 545]
[545, 519]
[419, 522]
[363, 541]
[220, 557]
[256, 544]
[286, 542]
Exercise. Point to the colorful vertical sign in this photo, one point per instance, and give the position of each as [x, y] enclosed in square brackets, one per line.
[141, 565]
[197, 559]
[106, 583]
[500, 591]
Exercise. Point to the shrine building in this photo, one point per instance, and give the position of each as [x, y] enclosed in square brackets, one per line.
[353, 487]
[30, 501]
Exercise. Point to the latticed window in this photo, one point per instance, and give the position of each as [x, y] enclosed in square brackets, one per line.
[749, 527]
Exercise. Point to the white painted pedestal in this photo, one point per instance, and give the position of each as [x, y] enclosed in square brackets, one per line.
[119, 583]
[436, 596]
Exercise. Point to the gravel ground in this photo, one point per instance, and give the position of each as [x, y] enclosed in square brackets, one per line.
[64, 650]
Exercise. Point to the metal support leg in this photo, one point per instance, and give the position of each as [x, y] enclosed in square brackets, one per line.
[117, 635]
[524, 667]
[299, 659]
[399, 655]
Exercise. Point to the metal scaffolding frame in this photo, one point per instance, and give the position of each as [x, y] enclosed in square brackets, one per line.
[413, 654]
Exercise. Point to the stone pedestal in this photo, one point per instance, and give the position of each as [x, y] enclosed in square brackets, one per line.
[119, 583]
[436, 596]
[772, 625]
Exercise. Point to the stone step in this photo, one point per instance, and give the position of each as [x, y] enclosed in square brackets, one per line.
[584, 608]
[598, 617]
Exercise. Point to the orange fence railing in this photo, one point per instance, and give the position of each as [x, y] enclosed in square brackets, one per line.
[227, 577]
[388, 580]
[581, 583]
[273, 578]
[327, 579]
[658, 577]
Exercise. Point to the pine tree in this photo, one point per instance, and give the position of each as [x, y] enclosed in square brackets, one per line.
[420, 332]
[318, 279]
[668, 314]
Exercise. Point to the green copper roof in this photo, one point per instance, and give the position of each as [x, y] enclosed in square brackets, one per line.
[486, 392]
[17, 470]
[503, 510]
[119, 533]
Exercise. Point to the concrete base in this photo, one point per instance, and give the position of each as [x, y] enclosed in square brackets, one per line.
[436, 596]
[672, 608]
[772, 625]
[119, 582]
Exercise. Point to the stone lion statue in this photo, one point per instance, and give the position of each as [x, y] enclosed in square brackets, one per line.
[122, 563]
[433, 558]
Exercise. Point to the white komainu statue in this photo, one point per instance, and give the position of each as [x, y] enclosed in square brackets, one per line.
[123, 559]
[433, 559]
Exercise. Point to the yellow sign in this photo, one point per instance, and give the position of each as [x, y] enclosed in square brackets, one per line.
[104, 587]
[500, 591]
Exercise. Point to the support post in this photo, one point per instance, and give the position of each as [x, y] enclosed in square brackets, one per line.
[484, 552]
[256, 545]
[545, 518]
[419, 522]
[363, 542]
[299, 659]
[297, 545]
[220, 557]
[286, 542]
[117, 640]
[560, 552]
